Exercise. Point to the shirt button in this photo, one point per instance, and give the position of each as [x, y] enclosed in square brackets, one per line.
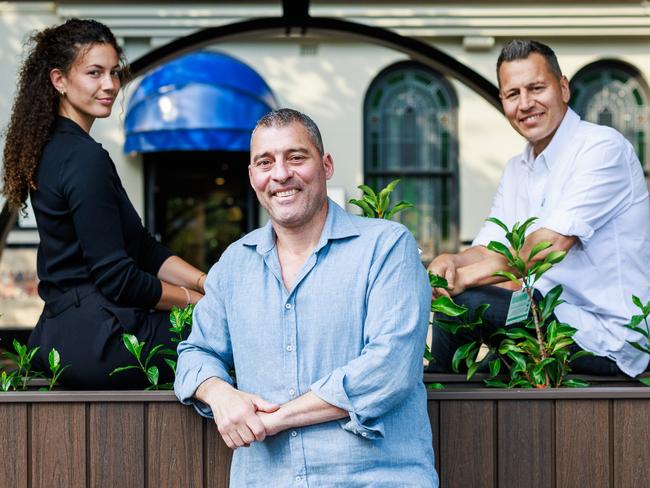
[363, 434]
[294, 433]
[298, 479]
[287, 306]
[289, 348]
[292, 392]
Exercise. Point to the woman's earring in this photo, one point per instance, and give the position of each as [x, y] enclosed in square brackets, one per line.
[62, 92]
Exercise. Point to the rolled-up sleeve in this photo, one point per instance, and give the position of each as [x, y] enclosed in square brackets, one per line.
[601, 187]
[390, 364]
[207, 352]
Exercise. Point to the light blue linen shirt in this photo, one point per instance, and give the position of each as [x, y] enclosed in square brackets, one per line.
[352, 330]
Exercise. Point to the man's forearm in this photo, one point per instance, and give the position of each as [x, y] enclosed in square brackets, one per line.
[307, 409]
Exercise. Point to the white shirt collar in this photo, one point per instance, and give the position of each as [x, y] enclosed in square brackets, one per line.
[555, 148]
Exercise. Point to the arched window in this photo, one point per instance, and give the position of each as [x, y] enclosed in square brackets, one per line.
[614, 93]
[410, 132]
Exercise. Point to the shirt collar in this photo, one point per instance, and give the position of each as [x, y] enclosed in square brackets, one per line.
[64, 124]
[556, 147]
[338, 225]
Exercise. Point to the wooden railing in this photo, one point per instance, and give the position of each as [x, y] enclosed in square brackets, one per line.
[593, 437]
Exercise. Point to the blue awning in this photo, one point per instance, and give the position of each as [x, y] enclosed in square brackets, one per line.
[199, 102]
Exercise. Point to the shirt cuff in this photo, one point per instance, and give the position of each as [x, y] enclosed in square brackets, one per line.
[567, 224]
[188, 381]
[331, 389]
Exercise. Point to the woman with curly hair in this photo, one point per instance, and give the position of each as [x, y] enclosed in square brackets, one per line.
[101, 273]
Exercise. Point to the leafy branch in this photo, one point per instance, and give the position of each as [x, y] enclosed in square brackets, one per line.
[537, 353]
[635, 323]
[377, 204]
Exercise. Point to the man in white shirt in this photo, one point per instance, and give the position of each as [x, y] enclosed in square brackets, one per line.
[586, 185]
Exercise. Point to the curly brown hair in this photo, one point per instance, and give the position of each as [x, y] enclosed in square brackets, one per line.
[37, 102]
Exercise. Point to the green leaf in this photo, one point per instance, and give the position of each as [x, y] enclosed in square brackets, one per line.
[543, 268]
[524, 227]
[637, 301]
[398, 208]
[154, 350]
[435, 386]
[554, 257]
[518, 360]
[461, 353]
[499, 248]
[561, 344]
[580, 354]
[54, 359]
[171, 363]
[392, 185]
[446, 306]
[132, 345]
[368, 191]
[123, 368]
[472, 370]
[495, 367]
[367, 210]
[518, 333]
[437, 281]
[550, 301]
[153, 374]
[427, 353]
[496, 221]
[575, 383]
[506, 274]
[645, 381]
[519, 265]
[537, 248]
[496, 383]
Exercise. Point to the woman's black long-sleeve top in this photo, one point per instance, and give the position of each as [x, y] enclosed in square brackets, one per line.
[89, 230]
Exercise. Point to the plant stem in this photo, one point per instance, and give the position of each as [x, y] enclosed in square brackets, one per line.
[538, 329]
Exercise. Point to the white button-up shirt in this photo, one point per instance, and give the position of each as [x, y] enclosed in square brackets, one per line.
[587, 183]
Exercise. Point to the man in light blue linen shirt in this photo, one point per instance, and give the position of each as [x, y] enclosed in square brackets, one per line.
[586, 185]
[323, 316]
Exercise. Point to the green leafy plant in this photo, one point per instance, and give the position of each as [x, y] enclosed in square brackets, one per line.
[181, 324]
[7, 381]
[537, 353]
[181, 320]
[56, 369]
[377, 204]
[151, 372]
[22, 358]
[634, 325]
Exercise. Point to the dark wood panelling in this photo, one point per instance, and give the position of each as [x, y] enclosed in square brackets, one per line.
[116, 440]
[217, 457]
[525, 444]
[58, 440]
[631, 419]
[433, 409]
[582, 443]
[467, 444]
[13, 445]
[174, 446]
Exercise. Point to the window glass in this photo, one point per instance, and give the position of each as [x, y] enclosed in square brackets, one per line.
[410, 133]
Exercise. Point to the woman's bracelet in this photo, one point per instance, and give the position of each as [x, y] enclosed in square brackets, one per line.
[187, 294]
[198, 281]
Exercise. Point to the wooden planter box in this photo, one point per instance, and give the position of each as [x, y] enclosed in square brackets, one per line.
[593, 437]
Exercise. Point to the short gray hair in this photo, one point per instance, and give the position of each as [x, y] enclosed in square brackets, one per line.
[287, 116]
[522, 48]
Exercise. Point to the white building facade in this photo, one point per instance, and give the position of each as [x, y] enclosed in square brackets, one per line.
[382, 114]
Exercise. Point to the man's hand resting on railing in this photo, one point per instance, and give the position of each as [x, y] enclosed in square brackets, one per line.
[235, 412]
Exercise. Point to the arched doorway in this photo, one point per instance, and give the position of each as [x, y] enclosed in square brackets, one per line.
[191, 120]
